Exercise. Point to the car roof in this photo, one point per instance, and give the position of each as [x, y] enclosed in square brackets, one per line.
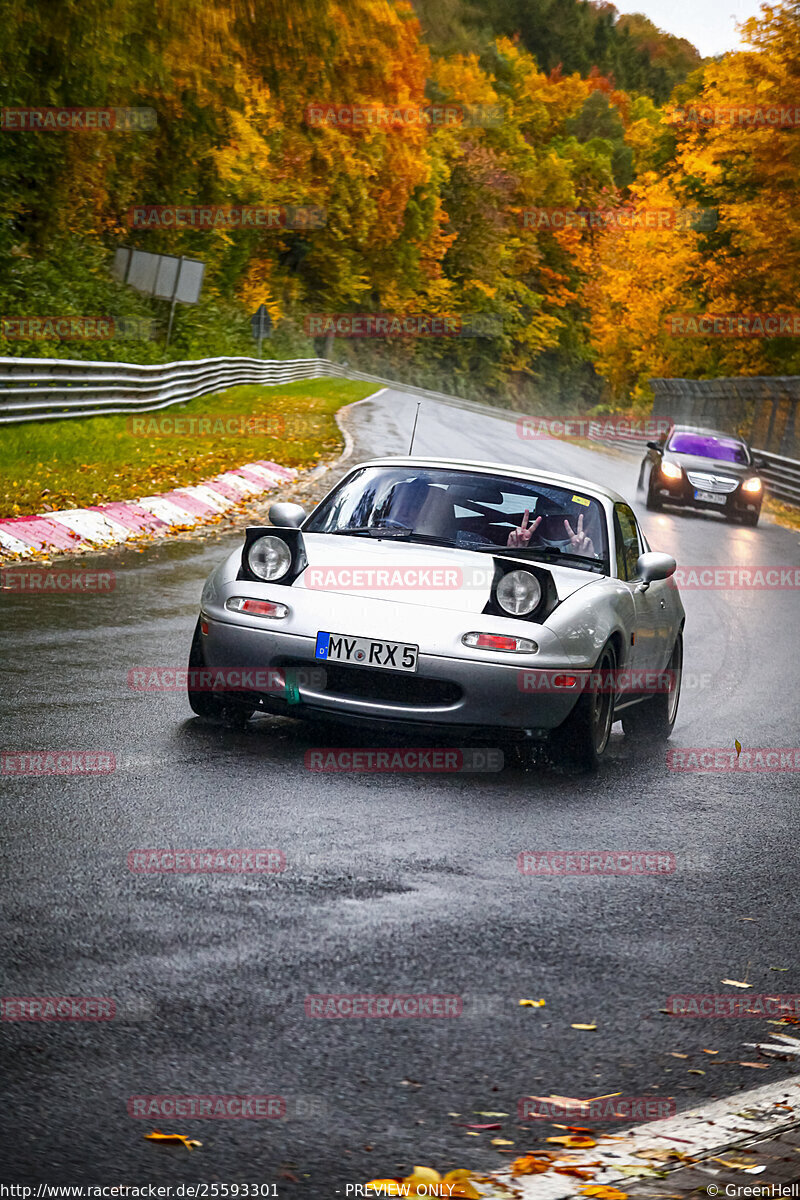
[529, 474]
[733, 437]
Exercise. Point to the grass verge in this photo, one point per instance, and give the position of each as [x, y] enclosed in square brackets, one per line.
[50, 465]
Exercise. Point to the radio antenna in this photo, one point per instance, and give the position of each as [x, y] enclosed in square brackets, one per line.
[414, 430]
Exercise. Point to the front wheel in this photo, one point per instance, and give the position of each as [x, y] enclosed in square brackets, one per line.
[580, 740]
[653, 719]
[211, 706]
[653, 502]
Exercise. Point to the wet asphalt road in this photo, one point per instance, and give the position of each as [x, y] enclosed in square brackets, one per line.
[393, 884]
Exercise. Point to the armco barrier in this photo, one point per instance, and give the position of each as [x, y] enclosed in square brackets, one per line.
[46, 389]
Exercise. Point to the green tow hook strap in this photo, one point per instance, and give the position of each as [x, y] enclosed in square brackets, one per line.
[291, 687]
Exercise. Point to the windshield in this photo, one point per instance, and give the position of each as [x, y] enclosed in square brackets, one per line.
[706, 445]
[493, 513]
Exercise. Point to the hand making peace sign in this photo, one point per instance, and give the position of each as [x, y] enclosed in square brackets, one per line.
[581, 542]
[522, 534]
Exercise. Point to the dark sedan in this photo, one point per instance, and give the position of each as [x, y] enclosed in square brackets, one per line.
[703, 468]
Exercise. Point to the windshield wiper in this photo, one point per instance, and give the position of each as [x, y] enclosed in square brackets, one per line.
[379, 531]
[550, 552]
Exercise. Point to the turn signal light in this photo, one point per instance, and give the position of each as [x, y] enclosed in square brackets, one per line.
[496, 641]
[257, 608]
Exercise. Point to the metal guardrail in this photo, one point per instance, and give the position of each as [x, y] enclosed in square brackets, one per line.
[49, 389]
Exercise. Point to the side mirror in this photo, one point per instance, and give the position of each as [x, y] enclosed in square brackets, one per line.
[659, 446]
[286, 514]
[759, 463]
[653, 566]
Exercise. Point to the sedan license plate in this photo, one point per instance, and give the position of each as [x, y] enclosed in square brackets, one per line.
[710, 497]
[366, 652]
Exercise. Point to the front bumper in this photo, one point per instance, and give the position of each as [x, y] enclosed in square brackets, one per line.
[470, 695]
[682, 492]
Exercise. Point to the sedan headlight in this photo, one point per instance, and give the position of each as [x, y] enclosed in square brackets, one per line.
[752, 485]
[518, 593]
[671, 470]
[269, 558]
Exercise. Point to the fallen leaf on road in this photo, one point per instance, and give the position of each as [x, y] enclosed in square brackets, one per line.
[471, 1134]
[531, 1003]
[740, 1164]
[472, 1125]
[575, 1171]
[478, 1113]
[759, 1066]
[602, 1192]
[736, 983]
[155, 1136]
[529, 1164]
[501, 1142]
[675, 1054]
[574, 1141]
[650, 1172]
[779, 968]
[386, 1187]
[584, 1027]
[695, 1071]
[711, 1052]
[662, 1154]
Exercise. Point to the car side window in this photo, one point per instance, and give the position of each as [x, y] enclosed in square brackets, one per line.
[626, 535]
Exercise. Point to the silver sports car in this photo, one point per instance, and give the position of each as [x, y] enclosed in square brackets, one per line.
[445, 595]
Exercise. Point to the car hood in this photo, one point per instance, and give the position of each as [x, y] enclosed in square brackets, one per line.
[711, 466]
[409, 573]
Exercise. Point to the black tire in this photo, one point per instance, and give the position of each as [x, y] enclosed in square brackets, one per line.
[751, 519]
[216, 707]
[653, 720]
[580, 741]
[653, 502]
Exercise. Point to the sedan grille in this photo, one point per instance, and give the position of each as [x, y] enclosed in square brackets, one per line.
[712, 483]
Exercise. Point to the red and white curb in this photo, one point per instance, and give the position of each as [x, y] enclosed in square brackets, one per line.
[711, 1128]
[101, 525]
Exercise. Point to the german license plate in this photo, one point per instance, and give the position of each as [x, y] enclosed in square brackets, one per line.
[710, 497]
[366, 652]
